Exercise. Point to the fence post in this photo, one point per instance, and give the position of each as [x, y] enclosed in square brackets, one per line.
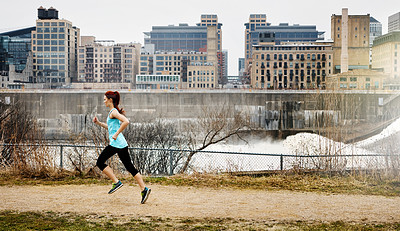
[61, 156]
[171, 169]
[281, 162]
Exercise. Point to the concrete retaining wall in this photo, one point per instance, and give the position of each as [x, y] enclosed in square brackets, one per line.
[61, 111]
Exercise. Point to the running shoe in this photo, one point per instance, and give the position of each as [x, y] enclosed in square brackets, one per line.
[115, 187]
[145, 194]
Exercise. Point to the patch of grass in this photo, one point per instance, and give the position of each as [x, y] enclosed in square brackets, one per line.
[10, 220]
[340, 225]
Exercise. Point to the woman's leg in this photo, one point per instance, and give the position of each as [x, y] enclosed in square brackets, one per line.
[109, 172]
[140, 181]
[126, 160]
[108, 152]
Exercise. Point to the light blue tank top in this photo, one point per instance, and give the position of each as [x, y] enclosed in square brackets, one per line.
[113, 126]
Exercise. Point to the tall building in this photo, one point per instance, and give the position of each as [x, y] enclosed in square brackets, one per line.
[259, 31]
[54, 46]
[107, 62]
[241, 63]
[375, 30]
[212, 20]
[177, 38]
[197, 69]
[291, 65]
[255, 21]
[350, 34]
[386, 54]
[14, 49]
[394, 22]
[223, 66]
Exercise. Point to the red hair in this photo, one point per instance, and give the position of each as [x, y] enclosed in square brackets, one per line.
[114, 95]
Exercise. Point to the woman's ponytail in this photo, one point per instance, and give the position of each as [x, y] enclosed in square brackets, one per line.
[114, 95]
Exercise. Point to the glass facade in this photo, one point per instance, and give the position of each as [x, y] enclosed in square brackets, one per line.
[178, 38]
[294, 33]
[14, 49]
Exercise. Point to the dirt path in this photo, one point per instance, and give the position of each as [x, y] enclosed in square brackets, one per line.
[178, 202]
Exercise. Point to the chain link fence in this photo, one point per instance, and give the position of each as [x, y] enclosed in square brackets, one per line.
[159, 161]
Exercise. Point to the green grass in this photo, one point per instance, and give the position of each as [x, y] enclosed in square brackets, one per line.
[10, 220]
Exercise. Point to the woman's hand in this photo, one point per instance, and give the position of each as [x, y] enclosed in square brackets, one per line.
[95, 120]
[115, 136]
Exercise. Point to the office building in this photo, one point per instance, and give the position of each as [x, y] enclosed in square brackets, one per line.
[255, 21]
[104, 61]
[357, 79]
[212, 20]
[54, 47]
[160, 82]
[350, 34]
[203, 65]
[241, 63]
[375, 30]
[394, 22]
[291, 65]
[223, 66]
[177, 38]
[386, 54]
[14, 49]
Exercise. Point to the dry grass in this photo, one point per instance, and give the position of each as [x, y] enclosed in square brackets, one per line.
[292, 182]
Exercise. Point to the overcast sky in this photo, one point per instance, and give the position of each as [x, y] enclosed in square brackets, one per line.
[125, 20]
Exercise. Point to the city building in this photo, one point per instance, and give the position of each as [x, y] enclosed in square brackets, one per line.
[394, 22]
[350, 34]
[177, 38]
[291, 65]
[212, 20]
[255, 21]
[287, 33]
[197, 69]
[14, 48]
[375, 30]
[223, 66]
[241, 64]
[165, 82]
[104, 61]
[259, 31]
[386, 54]
[358, 79]
[16, 59]
[54, 47]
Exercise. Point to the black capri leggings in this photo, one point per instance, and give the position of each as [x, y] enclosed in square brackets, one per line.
[123, 155]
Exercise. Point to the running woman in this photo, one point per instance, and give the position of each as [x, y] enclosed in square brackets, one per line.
[116, 123]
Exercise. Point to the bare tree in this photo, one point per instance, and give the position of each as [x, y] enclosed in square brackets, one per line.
[213, 126]
[19, 129]
[156, 134]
